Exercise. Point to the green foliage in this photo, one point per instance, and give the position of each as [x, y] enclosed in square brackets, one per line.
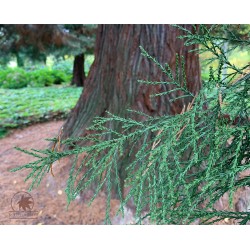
[65, 66]
[45, 77]
[41, 78]
[178, 166]
[13, 78]
[24, 106]
[60, 77]
[37, 41]
[3, 132]
[82, 38]
[239, 57]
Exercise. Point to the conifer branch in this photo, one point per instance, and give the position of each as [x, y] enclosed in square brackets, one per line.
[185, 162]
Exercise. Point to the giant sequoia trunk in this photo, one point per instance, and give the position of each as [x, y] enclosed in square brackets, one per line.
[112, 82]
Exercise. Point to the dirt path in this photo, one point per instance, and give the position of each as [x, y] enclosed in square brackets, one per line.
[49, 197]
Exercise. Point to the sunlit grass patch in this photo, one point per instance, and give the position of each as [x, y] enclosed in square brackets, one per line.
[20, 107]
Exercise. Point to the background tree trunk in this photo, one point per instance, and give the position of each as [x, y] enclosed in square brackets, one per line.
[112, 81]
[78, 71]
[19, 59]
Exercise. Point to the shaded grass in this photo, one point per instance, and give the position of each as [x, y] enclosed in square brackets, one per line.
[19, 107]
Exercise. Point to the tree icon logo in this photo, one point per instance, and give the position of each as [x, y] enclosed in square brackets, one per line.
[22, 204]
[22, 201]
[25, 203]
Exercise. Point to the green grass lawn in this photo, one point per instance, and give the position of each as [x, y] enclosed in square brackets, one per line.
[19, 107]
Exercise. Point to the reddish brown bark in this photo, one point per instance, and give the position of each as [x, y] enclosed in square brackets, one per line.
[78, 71]
[112, 82]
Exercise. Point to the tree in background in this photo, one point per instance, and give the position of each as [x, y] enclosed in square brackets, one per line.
[37, 41]
[7, 38]
[86, 33]
[31, 41]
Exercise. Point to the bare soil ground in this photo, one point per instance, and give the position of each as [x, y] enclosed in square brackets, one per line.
[49, 198]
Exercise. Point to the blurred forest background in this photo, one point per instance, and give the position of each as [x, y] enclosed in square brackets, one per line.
[41, 65]
[43, 70]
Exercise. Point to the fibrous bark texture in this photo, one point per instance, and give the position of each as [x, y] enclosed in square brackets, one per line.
[112, 82]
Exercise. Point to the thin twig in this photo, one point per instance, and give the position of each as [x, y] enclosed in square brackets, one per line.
[58, 144]
[189, 107]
